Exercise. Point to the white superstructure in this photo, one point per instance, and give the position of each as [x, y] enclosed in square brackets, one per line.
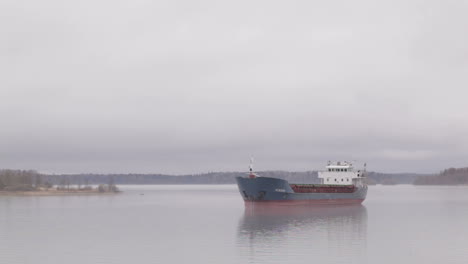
[342, 173]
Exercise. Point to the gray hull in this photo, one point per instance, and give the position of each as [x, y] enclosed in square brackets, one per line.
[278, 191]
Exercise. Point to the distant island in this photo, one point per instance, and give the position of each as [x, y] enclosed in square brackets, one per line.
[30, 182]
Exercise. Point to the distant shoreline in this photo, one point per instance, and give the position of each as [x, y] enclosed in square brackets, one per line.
[54, 193]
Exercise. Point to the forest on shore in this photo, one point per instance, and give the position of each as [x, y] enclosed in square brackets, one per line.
[221, 178]
[22, 180]
[452, 176]
[30, 180]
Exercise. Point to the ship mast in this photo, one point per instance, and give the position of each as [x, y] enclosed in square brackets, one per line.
[251, 174]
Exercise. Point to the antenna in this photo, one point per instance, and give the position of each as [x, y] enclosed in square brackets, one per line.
[251, 164]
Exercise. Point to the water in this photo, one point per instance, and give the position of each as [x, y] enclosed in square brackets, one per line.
[208, 224]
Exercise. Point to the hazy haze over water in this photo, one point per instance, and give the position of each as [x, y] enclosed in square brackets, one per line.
[184, 87]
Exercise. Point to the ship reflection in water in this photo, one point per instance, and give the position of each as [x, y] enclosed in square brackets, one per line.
[293, 234]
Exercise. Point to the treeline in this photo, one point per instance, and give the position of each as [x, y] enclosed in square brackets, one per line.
[219, 178]
[393, 178]
[20, 180]
[450, 176]
[205, 178]
[30, 179]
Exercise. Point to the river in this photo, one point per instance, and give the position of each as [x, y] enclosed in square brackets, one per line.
[208, 224]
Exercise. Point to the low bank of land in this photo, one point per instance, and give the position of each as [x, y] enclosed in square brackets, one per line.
[54, 192]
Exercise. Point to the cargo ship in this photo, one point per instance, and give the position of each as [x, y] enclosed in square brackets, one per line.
[340, 184]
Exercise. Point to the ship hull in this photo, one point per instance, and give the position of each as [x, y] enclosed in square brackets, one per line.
[273, 191]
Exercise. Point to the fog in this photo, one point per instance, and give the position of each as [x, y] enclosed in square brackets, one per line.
[187, 87]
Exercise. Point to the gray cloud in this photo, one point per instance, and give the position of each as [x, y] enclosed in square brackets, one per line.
[185, 87]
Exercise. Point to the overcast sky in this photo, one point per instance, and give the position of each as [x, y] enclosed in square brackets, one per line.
[196, 86]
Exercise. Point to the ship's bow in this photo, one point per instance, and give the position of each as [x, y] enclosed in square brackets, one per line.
[263, 188]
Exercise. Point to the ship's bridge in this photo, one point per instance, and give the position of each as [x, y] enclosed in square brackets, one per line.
[341, 173]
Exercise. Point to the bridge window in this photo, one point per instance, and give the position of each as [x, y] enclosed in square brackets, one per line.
[329, 169]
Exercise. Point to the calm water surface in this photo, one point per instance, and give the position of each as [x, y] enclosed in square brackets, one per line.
[208, 224]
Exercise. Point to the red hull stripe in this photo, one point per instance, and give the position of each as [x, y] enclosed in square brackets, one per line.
[305, 202]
